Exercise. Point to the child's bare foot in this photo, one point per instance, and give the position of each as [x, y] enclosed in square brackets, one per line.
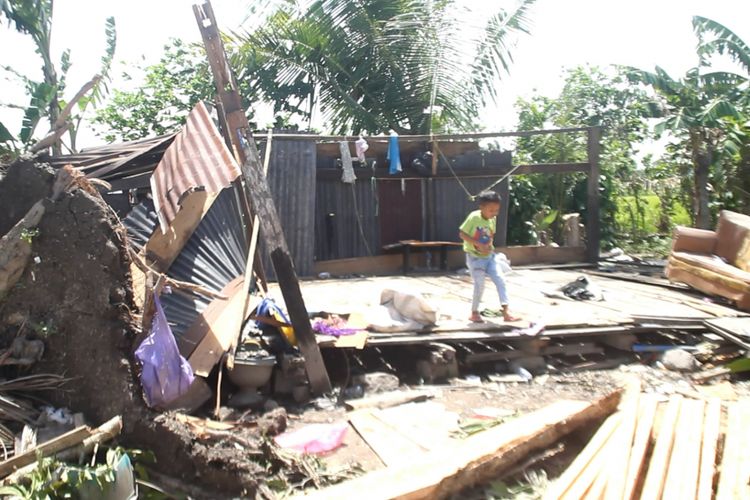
[476, 317]
[507, 316]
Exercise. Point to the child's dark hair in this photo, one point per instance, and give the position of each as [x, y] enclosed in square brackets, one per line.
[488, 197]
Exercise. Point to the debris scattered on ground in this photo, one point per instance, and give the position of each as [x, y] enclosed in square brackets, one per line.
[679, 360]
[682, 461]
[315, 438]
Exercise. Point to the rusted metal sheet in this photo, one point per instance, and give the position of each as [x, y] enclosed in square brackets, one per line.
[197, 158]
[337, 232]
[291, 179]
[116, 161]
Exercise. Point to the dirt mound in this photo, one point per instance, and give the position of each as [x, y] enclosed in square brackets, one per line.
[76, 296]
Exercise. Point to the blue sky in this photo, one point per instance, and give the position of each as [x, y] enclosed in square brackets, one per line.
[565, 33]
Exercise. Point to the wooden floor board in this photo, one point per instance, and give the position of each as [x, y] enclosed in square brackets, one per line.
[452, 294]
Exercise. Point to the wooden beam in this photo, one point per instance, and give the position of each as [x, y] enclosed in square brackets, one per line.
[435, 137]
[259, 195]
[735, 461]
[593, 215]
[479, 458]
[501, 236]
[252, 253]
[388, 399]
[709, 448]
[684, 463]
[163, 248]
[287, 278]
[207, 320]
[70, 438]
[407, 338]
[392, 263]
[489, 172]
[641, 441]
[659, 464]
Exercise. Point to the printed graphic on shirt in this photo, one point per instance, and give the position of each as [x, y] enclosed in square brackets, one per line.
[482, 235]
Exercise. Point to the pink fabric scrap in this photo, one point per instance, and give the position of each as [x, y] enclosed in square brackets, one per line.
[314, 438]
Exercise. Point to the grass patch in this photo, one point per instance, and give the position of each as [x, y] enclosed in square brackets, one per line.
[644, 215]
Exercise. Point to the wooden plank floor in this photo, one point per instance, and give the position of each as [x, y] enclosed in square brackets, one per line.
[626, 304]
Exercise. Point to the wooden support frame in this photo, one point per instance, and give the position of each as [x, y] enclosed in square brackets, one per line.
[501, 234]
[258, 193]
[593, 216]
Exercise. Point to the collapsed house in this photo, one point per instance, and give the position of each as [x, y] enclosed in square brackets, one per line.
[192, 205]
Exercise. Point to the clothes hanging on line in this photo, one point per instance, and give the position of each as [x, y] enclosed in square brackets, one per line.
[361, 146]
[394, 155]
[347, 176]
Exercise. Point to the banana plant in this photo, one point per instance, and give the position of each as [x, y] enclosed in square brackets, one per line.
[34, 18]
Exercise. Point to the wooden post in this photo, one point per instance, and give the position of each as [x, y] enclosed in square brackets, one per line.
[264, 208]
[501, 236]
[434, 158]
[257, 191]
[593, 216]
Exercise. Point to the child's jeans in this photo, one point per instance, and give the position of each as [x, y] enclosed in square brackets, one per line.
[481, 267]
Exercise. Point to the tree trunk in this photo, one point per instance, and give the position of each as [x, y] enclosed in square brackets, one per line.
[702, 158]
[743, 171]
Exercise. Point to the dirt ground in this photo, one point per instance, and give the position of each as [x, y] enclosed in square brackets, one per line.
[463, 400]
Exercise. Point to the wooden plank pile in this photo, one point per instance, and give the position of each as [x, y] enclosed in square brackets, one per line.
[651, 449]
[478, 459]
[69, 446]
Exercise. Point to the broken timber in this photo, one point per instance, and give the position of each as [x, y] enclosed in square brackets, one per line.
[259, 195]
[479, 458]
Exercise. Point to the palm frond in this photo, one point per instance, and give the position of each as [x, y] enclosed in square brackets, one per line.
[723, 41]
[379, 64]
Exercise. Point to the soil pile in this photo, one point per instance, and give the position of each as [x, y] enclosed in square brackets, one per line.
[76, 296]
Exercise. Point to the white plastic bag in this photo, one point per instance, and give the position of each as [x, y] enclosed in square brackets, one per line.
[502, 263]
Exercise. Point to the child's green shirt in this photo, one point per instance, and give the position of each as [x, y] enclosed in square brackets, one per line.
[479, 228]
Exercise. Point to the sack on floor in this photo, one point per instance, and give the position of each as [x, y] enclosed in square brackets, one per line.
[402, 311]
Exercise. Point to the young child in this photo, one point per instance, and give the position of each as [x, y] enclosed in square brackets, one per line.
[478, 233]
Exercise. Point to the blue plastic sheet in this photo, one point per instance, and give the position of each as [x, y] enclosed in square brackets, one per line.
[165, 374]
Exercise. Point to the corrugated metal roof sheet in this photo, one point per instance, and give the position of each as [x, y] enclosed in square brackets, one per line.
[115, 161]
[213, 256]
[291, 180]
[197, 157]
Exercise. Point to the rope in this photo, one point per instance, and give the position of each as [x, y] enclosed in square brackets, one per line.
[359, 220]
[470, 196]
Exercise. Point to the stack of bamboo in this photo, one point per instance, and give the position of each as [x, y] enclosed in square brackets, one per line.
[678, 449]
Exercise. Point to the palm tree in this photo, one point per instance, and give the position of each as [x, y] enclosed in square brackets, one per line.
[414, 66]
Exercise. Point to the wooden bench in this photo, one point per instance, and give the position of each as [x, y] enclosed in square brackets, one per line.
[407, 246]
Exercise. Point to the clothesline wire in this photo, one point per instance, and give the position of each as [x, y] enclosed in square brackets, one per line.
[470, 196]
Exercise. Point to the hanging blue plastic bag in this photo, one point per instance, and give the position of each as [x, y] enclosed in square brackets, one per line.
[165, 374]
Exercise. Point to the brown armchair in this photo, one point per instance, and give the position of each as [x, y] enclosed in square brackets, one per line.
[715, 262]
